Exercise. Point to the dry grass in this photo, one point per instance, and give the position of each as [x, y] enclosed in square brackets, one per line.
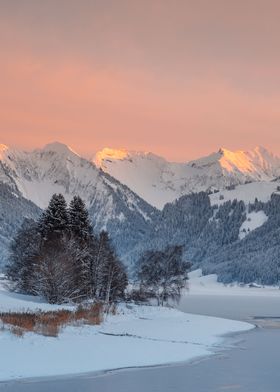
[25, 321]
[17, 331]
[92, 315]
[50, 323]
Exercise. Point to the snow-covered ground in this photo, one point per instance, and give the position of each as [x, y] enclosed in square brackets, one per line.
[253, 221]
[135, 336]
[262, 190]
[14, 302]
[201, 285]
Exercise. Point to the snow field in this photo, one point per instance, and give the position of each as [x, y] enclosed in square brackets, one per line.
[136, 336]
[208, 284]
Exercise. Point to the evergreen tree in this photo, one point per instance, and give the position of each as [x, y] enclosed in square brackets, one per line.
[52, 265]
[54, 221]
[24, 250]
[79, 222]
[60, 259]
[82, 234]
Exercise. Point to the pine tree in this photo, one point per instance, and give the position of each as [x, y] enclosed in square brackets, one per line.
[24, 250]
[79, 222]
[54, 221]
[60, 259]
[82, 234]
[52, 265]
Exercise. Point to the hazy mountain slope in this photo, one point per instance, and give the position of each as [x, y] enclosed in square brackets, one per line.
[159, 181]
[13, 210]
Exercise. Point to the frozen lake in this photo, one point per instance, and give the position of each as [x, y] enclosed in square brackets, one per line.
[235, 307]
[252, 366]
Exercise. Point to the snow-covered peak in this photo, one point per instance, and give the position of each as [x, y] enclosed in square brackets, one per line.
[110, 155]
[242, 161]
[262, 150]
[208, 160]
[150, 176]
[3, 151]
[8, 155]
[159, 181]
[258, 164]
[58, 148]
[140, 171]
[38, 174]
[3, 147]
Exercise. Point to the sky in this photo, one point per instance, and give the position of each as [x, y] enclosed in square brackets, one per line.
[180, 78]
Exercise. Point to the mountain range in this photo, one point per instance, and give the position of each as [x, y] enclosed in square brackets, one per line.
[33, 177]
[144, 201]
[158, 181]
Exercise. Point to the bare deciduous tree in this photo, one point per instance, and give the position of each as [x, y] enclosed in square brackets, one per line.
[163, 274]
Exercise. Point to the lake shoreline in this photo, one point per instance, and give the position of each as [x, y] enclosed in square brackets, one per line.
[234, 348]
[217, 350]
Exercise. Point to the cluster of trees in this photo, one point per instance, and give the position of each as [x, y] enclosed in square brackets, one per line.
[228, 220]
[271, 208]
[59, 258]
[192, 221]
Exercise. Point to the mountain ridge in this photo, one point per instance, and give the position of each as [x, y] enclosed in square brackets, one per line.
[208, 205]
[159, 181]
[151, 177]
[35, 176]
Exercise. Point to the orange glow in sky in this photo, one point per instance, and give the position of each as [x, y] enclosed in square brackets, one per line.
[180, 78]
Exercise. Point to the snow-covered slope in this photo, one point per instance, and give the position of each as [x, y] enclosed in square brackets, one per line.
[261, 190]
[253, 221]
[29, 179]
[37, 175]
[56, 168]
[150, 176]
[158, 181]
[135, 336]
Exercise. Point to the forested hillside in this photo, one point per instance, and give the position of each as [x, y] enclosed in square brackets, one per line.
[215, 238]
